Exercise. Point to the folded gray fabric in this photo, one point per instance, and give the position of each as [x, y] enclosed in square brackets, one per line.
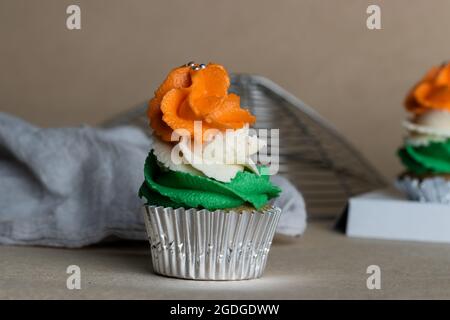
[72, 187]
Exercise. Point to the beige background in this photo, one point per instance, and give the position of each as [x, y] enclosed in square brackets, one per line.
[319, 50]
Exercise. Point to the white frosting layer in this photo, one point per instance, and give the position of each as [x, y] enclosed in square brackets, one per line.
[433, 122]
[423, 139]
[220, 159]
[431, 126]
[163, 153]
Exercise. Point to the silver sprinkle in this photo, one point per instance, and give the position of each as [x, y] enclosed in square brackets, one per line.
[190, 64]
[202, 66]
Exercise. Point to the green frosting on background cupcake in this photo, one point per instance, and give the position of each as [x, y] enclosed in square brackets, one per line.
[432, 158]
[168, 188]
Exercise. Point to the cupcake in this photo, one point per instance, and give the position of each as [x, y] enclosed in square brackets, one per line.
[208, 205]
[426, 150]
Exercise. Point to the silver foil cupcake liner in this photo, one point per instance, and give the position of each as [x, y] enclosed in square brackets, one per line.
[434, 189]
[210, 245]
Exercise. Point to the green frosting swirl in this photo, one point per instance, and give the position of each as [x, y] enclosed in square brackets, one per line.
[168, 188]
[432, 158]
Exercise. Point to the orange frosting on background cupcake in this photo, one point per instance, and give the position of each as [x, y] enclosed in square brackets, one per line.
[196, 94]
[432, 92]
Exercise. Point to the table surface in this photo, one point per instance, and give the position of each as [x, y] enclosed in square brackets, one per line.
[322, 264]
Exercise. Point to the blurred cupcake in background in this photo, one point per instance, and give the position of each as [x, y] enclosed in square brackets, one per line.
[426, 150]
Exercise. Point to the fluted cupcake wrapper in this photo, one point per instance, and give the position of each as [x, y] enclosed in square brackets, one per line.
[210, 245]
[434, 189]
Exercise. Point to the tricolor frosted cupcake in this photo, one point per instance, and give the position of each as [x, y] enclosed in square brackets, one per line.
[208, 211]
[426, 151]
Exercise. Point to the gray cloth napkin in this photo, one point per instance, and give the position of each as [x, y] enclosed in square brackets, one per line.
[71, 187]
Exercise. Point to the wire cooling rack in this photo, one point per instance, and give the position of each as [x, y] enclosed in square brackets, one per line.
[312, 154]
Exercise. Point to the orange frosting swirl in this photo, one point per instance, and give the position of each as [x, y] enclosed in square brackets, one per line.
[201, 94]
[432, 92]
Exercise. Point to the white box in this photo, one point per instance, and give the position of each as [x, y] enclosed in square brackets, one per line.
[387, 214]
